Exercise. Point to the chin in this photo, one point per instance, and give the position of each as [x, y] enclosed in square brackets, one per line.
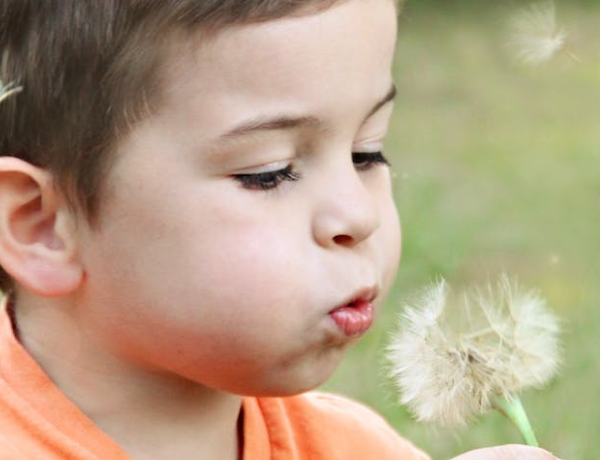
[288, 377]
[292, 383]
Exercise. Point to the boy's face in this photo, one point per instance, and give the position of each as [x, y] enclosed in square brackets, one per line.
[237, 217]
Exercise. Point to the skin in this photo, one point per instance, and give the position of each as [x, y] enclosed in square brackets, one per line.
[198, 286]
[509, 452]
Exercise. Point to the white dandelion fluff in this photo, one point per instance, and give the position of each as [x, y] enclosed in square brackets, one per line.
[535, 36]
[8, 89]
[455, 355]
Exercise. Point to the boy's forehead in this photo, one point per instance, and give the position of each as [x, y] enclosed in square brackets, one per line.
[349, 43]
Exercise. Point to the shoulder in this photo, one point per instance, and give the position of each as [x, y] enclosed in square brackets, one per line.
[331, 423]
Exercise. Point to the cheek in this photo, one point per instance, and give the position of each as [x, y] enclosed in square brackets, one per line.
[200, 290]
[254, 263]
[217, 267]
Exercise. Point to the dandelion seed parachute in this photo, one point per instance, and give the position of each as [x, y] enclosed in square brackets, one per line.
[7, 90]
[453, 355]
[534, 34]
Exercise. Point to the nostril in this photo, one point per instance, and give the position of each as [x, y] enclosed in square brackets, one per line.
[343, 240]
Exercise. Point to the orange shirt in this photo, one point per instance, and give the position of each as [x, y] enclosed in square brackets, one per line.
[38, 422]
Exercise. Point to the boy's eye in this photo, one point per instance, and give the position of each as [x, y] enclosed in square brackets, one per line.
[366, 160]
[267, 180]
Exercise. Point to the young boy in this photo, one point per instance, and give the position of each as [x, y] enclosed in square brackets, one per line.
[195, 223]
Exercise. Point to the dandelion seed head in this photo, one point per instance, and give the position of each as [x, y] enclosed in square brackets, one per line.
[451, 353]
[535, 35]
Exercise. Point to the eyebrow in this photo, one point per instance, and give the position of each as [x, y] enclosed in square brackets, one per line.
[284, 122]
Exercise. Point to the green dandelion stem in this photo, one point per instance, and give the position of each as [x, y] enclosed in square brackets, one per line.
[512, 408]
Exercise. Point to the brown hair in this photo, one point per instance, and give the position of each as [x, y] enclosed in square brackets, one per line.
[89, 70]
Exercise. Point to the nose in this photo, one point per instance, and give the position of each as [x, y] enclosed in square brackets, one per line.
[347, 212]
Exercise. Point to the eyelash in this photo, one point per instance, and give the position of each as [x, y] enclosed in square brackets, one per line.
[363, 161]
[366, 160]
[267, 180]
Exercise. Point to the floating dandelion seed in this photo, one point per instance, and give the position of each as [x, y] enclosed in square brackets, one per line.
[455, 357]
[535, 35]
[7, 90]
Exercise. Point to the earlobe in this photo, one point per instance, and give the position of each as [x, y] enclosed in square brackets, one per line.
[37, 244]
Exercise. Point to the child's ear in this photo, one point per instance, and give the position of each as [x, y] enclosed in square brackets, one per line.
[37, 239]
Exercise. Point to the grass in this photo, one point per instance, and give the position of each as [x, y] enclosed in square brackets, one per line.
[497, 168]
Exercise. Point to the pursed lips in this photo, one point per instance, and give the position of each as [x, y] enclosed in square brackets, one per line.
[355, 315]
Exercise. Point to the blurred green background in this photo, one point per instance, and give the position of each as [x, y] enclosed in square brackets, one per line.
[497, 168]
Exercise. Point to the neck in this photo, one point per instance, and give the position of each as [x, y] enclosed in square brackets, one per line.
[187, 425]
[152, 416]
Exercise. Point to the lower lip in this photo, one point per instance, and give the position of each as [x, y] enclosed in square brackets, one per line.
[354, 320]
